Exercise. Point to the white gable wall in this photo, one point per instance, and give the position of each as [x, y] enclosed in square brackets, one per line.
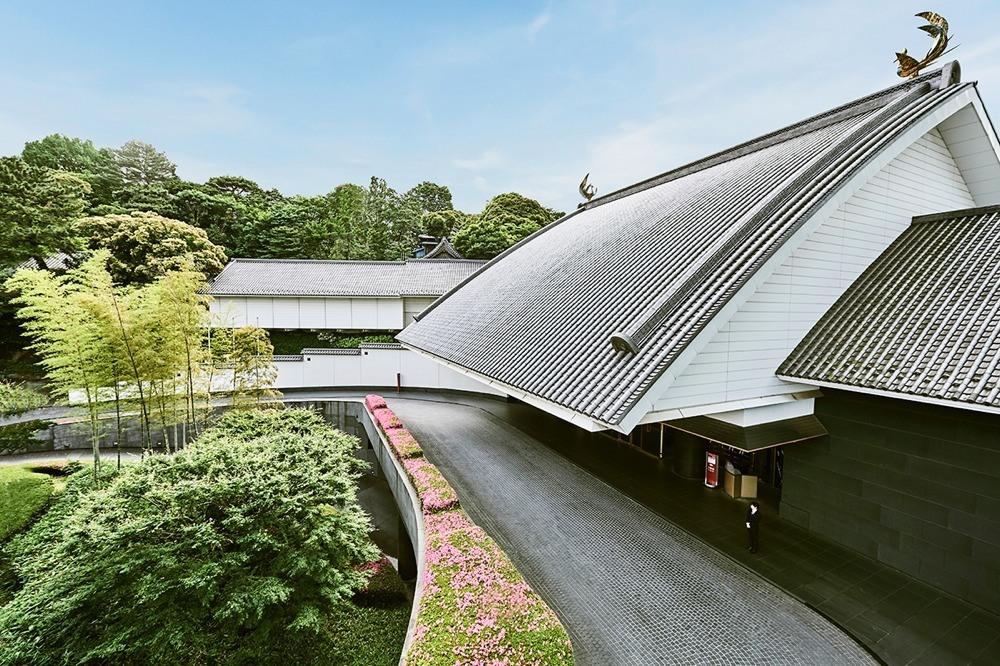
[739, 361]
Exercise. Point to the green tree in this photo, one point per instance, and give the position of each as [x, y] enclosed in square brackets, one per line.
[431, 197]
[444, 223]
[38, 207]
[144, 246]
[79, 157]
[346, 210]
[483, 239]
[247, 537]
[141, 164]
[389, 224]
[506, 220]
[66, 336]
[252, 358]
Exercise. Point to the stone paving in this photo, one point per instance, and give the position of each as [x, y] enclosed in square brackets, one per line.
[630, 587]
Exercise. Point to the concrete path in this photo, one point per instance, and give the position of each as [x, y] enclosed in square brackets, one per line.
[630, 587]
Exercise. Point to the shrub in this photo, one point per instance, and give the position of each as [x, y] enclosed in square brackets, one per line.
[18, 398]
[247, 538]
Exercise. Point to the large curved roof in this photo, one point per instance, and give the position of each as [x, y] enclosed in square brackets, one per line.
[654, 262]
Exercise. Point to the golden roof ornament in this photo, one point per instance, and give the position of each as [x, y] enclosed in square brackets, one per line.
[587, 191]
[937, 28]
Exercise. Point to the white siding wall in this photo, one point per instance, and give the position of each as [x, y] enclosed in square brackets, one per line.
[373, 368]
[384, 314]
[414, 306]
[740, 361]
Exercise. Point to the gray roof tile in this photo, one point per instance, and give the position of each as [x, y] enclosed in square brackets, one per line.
[298, 277]
[923, 320]
[655, 261]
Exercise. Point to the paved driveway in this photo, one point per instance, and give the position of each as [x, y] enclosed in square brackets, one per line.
[630, 587]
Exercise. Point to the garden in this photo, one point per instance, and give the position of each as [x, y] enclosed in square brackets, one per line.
[246, 546]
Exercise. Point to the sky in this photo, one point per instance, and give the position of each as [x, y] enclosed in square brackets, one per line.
[484, 98]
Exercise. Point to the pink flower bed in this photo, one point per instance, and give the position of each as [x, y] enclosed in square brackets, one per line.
[433, 490]
[374, 402]
[403, 443]
[387, 419]
[476, 608]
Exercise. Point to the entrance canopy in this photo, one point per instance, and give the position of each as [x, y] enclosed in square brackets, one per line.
[751, 438]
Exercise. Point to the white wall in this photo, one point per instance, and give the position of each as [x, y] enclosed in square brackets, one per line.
[373, 368]
[740, 360]
[381, 314]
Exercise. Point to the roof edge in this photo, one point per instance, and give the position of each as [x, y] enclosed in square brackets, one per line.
[952, 214]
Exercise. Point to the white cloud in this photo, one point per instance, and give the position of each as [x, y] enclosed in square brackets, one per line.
[487, 160]
[536, 25]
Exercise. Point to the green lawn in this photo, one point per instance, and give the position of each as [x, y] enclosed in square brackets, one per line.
[23, 493]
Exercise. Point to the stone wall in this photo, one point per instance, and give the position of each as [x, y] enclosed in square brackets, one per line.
[912, 485]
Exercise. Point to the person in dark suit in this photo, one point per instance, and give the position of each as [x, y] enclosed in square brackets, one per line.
[753, 526]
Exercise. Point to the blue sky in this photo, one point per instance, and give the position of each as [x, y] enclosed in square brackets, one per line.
[482, 97]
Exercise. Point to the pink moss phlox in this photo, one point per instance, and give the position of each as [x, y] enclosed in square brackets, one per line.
[387, 419]
[476, 608]
[403, 443]
[374, 402]
[433, 490]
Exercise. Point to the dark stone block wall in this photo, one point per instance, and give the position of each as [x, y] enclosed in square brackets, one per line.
[912, 485]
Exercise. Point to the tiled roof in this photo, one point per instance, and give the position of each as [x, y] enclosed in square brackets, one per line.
[923, 320]
[292, 277]
[443, 250]
[646, 268]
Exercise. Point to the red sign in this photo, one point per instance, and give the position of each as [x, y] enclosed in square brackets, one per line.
[712, 469]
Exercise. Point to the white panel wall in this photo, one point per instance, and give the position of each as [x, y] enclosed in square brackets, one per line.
[376, 368]
[740, 361]
[312, 313]
[260, 312]
[287, 312]
[390, 314]
[364, 313]
[338, 313]
[378, 314]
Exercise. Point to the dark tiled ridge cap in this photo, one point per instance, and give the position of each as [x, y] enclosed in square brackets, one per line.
[955, 214]
[843, 112]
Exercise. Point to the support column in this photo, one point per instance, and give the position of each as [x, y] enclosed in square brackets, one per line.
[404, 551]
[689, 456]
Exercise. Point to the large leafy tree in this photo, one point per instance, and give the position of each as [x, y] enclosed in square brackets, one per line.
[141, 164]
[506, 219]
[249, 536]
[390, 223]
[431, 197]
[38, 207]
[144, 246]
[79, 157]
[444, 222]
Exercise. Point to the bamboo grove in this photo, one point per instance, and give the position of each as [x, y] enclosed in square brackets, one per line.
[144, 353]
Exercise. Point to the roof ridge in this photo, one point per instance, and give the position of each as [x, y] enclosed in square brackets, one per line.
[264, 260]
[812, 123]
